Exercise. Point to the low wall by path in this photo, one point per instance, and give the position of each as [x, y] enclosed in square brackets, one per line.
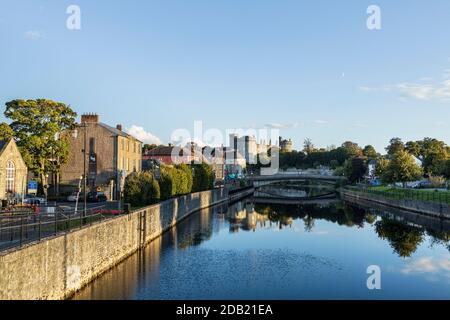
[56, 268]
[432, 209]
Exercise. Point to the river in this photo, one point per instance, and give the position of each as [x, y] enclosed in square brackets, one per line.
[248, 250]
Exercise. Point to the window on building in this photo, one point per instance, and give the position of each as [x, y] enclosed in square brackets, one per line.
[128, 164]
[123, 163]
[128, 145]
[10, 175]
[134, 165]
[122, 144]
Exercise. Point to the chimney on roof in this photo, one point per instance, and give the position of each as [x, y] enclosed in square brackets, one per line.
[90, 118]
[119, 127]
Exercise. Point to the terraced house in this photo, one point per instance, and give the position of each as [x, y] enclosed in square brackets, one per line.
[111, 154]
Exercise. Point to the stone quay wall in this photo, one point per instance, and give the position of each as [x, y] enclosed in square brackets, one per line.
[57, 267]
[432, 209]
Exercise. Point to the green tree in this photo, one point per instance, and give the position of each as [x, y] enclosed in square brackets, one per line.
[356, 168]
[352, 149]
[369, 152]
[150, 188]
[203, 177]
[141, 189]
[167, 183]
[5, 131]
[434, 154]
[447, 170]
[414, 148]
[38, 127]
[186, 177]
[381, 167]
[132, 190]
[395, 145]
[402, 168]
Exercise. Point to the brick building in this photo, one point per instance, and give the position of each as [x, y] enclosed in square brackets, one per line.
[111, 154]
[13, 172]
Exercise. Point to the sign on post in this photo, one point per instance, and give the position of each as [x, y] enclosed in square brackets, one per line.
[32, 187]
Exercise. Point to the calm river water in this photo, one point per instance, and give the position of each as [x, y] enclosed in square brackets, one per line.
[260, 251]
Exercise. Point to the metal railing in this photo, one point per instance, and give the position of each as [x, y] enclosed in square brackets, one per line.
[18, 229]
[442, 197]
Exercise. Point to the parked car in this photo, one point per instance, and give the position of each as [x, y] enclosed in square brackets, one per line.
[32, 199]
[423, 185]
[74, 195]
[96, 196]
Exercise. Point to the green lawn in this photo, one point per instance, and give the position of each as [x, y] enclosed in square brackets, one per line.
[441, 196]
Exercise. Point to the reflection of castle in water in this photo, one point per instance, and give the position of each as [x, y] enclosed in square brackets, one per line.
[242, 215]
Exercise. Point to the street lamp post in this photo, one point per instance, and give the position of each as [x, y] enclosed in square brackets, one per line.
[84, 126]
[84, 172]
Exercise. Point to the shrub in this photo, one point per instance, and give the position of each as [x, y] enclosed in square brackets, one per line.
[437, 181]
[187, 178]
[141, 189]
[203, 177]
[167, 184]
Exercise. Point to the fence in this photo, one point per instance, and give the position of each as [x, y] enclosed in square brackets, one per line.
[441, 197]
[20, 228]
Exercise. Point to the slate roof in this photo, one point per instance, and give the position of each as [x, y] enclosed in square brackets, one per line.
[117, 132]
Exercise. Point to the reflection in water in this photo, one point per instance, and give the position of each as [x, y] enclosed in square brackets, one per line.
[403, 239]
[319, 251]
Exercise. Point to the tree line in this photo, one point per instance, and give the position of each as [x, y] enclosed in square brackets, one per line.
[143, 188]
[397, 165]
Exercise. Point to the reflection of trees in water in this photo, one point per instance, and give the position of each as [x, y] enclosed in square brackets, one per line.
[404, 239]
[337, 213]
[439, 238]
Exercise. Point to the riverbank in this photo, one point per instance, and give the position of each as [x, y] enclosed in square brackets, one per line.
[57, 267]
[434, 209]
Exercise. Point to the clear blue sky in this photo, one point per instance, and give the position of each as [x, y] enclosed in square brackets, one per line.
[163, 64]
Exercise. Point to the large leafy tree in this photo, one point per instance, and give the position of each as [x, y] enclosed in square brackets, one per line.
[38, 127]
[369, 152]
[447, 169]
[5, 131]
[381, 167]
[402, 168]
[356, 168]
[434, 155]
[352, 149]
[395, 145]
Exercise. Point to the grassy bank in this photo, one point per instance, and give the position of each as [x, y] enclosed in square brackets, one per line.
[441, 196]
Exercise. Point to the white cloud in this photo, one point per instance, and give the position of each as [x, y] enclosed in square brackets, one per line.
[430, 90]
[321, 121]
[281, 125]
[417, 91]
[140, 134]
[33, 35]
[427, 265]
[369, 89]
